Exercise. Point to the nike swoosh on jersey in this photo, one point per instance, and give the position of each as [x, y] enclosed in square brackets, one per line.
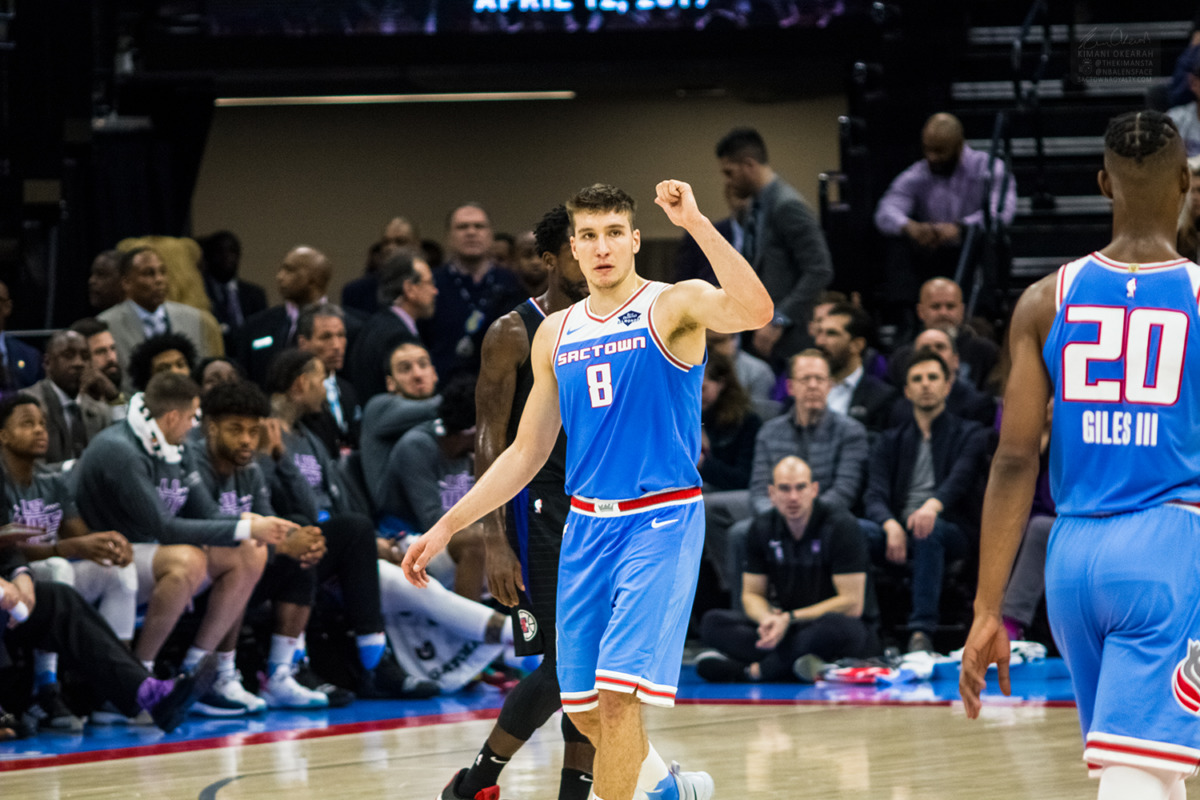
[655, 523]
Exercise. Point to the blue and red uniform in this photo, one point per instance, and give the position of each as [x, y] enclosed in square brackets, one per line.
[632, 544]
[1123, 354]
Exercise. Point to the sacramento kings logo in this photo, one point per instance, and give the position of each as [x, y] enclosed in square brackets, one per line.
[529, 625]
[629, 317]
[1185, 681]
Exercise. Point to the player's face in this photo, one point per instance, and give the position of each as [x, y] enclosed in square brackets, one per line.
[809, 383]
[24, 434]
[792, 490]
[103, 351]
[234, 439]
[412, 373]
[176, 423]
[421, 293]
[170, 361]
[927, 386]
[569, 275]
[470, 233]
[146, 282]
[941, 306]
[833, 338]
[605, 244]
[328, 342]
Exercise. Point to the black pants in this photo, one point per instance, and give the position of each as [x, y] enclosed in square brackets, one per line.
[830, 637]
[63, 622]
[350, 556]
[285, 580]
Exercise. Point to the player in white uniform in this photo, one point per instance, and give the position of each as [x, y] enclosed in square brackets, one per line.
[605, 242]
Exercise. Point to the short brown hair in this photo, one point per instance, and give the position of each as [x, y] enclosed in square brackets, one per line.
[169, 391]
[601, 197]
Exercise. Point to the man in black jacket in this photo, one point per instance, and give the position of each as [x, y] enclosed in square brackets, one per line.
[842, 335]
[924, 487]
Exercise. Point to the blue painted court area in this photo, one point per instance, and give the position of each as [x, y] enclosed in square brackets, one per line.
[1041, 682]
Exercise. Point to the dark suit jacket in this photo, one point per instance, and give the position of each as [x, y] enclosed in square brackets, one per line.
[96, 417]
[251, 299]
[264, 335]
[959, 466]
[24, 366]
[690, 261]
[365, 366]
[871, 403]
[792, 259]
[362, 294]
[325, 426]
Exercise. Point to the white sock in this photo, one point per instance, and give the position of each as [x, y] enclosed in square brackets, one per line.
[226, 663]
[282, 650]
[193, 657]
[654, 770]
[1133, 783]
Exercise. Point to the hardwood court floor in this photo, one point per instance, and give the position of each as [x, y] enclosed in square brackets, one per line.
[923, 752]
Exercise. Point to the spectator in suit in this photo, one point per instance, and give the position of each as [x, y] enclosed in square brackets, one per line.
[233, 300]
[842, 335]
[72, 417]
[690, 262]
[805, 588]
[783, 242]
[102, 375]
[964, 400]
[147, 312]
[941, 306]
[104, 282]
[321, 331]
[473, 292]
[928, 206]
[924, 490]
[408, 291]
[21, 363]
[362, 294]
[302, 278]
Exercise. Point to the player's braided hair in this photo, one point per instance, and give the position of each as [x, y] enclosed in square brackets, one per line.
[1138, 135]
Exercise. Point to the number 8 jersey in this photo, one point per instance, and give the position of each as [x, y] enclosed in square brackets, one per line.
[1124, 357]
[630, 409]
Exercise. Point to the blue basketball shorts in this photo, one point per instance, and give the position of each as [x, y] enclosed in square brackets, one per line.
[1123, 594]
[626, 580]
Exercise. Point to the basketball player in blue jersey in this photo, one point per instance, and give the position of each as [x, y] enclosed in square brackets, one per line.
[1114, 338]
[622, 371]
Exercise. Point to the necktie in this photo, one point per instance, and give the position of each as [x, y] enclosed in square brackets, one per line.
[233, 309]
[335, 402]
[78, 432]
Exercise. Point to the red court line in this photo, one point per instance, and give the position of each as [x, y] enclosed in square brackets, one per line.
[242, 739]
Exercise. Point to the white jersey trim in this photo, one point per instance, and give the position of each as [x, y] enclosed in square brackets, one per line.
[1108, 749]
[671, 358]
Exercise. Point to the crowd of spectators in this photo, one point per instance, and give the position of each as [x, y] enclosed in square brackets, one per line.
[267, 465]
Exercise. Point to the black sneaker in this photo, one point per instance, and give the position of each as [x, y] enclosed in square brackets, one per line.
[716, 667]
[169, 712]
[338, 697]
[919, 642]
[389, 682]
[451, 790]
[50, 713]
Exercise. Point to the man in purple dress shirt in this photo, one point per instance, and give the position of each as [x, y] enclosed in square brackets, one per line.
[926, 210]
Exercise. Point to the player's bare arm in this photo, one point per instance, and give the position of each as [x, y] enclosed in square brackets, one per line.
[686, 309]
[1010, 489]
[505, 348]
[513, 469]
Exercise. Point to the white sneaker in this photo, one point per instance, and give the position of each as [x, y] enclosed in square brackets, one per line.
[692, 785]
[228, 698]
[283, 691]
